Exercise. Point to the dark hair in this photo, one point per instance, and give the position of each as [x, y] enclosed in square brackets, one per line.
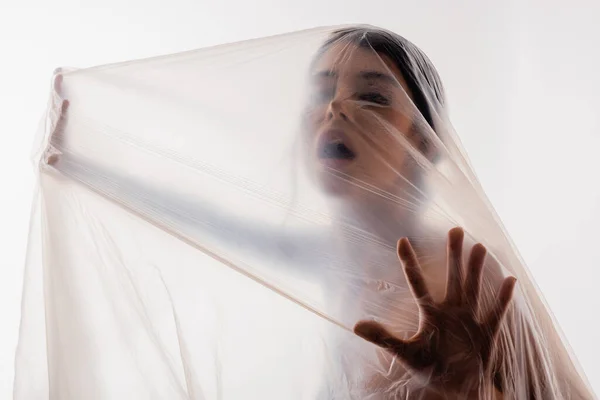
[417, 70]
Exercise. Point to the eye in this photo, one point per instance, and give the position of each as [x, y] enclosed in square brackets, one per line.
[374, 97]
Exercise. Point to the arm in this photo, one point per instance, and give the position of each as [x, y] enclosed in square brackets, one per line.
[160, 206]
[200, 220]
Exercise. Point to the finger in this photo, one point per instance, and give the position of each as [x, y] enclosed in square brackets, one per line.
[377, 334]
[505, 295]
[60, 123]
[454, 285]
[58, 78]
[413, 273]
[474, 274]
[411, 352]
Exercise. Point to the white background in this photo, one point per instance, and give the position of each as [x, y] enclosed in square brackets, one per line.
[523, 83]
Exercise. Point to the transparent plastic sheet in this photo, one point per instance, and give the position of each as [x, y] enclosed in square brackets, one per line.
[213, 224]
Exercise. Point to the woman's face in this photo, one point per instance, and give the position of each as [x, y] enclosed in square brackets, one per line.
[358, 121]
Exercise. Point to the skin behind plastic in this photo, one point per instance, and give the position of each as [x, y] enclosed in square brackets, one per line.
[214, 224]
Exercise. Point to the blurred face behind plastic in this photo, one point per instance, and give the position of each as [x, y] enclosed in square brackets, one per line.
[359, 122]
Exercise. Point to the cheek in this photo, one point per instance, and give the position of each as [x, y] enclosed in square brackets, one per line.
[384, 136]
[386, 159]
[386, 169]
[312, 121]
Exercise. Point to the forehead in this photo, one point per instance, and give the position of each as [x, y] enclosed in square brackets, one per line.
[344, 59]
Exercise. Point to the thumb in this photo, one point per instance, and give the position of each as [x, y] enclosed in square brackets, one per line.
[377, 334]
[412, 352]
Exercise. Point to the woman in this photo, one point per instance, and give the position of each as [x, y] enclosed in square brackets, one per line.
[373, 89]
[379, 107]
[372, 130]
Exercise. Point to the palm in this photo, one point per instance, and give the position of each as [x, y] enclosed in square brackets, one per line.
[453, 347]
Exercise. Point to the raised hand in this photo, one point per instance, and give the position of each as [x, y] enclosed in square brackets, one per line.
[59, 107]
[453, 347]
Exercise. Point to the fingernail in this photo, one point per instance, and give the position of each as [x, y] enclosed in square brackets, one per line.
[404, 247]
[361, 329]
[52, 159]
[457, 232]
[367, 330]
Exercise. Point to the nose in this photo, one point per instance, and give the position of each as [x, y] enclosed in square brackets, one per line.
[336, 110]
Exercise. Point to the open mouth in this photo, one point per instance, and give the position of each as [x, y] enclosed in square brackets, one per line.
[335, 149]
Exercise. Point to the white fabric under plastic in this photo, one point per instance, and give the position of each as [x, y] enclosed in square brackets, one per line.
[212, 225]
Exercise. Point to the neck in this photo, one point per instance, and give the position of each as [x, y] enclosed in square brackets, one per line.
[383, 220]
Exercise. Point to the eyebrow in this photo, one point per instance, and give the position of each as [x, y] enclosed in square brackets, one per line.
[367, 75]
[325, 74]
[376, 75]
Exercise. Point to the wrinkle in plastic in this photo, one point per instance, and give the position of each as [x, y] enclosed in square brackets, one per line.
[212, 224]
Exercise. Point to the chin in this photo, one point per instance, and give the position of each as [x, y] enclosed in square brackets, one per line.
[335, 189]
[335, 186]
